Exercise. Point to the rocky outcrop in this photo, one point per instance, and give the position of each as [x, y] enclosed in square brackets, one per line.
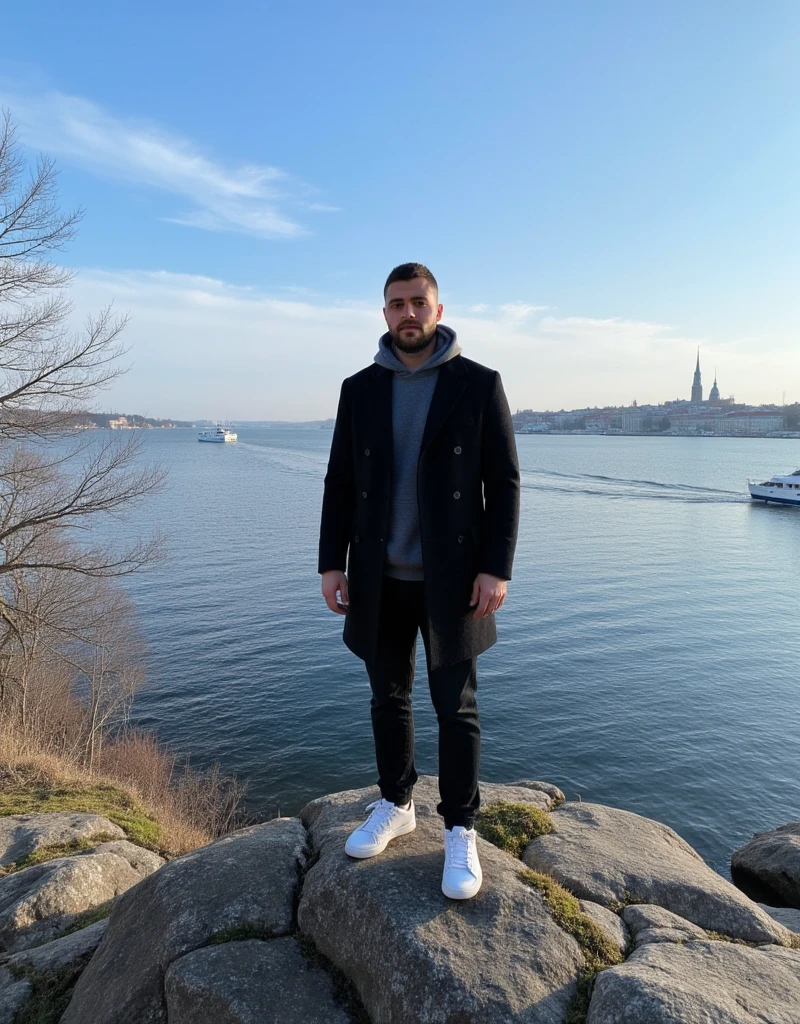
[553, 793]
[276, 923]
[611, 924]
[615, 857]
[41, 903]
[144, 862]
[250, 983]
[649, 923]
[241, 886]
[49, 962]
[772, 861]
[24, 834]
[414, 955]
[699, 983]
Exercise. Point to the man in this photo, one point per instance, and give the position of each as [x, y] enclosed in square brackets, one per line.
[421, 507]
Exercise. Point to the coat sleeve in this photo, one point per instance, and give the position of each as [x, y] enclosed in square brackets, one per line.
[338, 502]
[500, 473]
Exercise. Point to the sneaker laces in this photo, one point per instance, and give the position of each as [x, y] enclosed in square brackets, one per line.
[380, 819]
[460, 849]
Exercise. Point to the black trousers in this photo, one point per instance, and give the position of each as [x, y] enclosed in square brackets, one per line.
[452, 688]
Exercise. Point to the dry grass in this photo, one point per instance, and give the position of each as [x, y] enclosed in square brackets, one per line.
[137, 784]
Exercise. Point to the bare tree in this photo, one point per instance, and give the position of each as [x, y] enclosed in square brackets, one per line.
[46, 371]
[107, 654]
[53, 479]
[73, 658]
[66, 638]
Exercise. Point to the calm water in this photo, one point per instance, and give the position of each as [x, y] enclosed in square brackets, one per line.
[649, 647]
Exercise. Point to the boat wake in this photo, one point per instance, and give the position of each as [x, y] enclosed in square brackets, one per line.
[623, 487]
[288, 460]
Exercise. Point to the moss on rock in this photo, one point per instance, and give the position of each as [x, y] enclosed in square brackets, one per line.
[110, 801]
[511, 826]
[597, 948]
[91, 916]
[50, 993]
[46, 853]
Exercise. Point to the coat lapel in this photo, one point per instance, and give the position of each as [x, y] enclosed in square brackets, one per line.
[380, 406]
[450, 386]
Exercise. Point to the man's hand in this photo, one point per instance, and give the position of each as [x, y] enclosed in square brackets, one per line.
[488, 594]
[334, 583]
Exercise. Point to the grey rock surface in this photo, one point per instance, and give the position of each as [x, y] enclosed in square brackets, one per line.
[606, 855]
[244, 881]
[23, 834]
[699, 983]
[650, 923]
[773, 859]
[71, 951]
[40, 903]
[250, 983]
[787, 916]
[143, 861]
[413, 954]
[553, 793]
[53, 956]
[518, 794]
[612, 924]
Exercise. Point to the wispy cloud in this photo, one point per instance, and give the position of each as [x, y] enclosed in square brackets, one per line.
[520, 310]
[252, 199]
[204, 347]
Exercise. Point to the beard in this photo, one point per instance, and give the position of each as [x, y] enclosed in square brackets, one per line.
[417, 341]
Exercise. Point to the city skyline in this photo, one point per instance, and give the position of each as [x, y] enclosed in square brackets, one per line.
[593, 215]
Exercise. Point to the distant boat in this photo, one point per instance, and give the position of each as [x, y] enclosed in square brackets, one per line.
[217, 435]
[784, 490]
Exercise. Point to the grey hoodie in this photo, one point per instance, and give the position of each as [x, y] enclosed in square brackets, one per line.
[412, 391]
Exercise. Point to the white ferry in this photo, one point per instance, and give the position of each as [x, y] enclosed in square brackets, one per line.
[782, 489]
[219, 435]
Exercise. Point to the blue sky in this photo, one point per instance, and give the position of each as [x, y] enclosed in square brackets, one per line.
[599, 188]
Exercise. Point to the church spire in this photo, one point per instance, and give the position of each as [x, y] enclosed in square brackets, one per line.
[713, 395]
[697, 383]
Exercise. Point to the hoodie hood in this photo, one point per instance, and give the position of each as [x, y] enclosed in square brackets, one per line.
[446, 348]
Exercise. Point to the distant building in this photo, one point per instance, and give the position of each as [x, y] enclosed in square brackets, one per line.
[697, 383]
[713, 395]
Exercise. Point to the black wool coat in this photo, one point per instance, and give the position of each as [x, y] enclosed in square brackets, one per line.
[467, 492]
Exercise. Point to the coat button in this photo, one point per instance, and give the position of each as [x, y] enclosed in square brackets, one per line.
[363, 494]
[457, 449]
[460, 539]
[366, 451]
[356, 538]
[456, 495]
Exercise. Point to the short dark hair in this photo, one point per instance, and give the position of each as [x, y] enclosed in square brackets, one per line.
[407, 272]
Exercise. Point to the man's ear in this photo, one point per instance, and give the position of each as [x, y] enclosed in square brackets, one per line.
[439, 312]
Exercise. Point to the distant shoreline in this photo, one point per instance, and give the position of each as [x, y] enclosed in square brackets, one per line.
[634, 433]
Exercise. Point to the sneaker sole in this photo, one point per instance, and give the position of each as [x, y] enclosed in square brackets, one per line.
[461, 895]
[365, 855]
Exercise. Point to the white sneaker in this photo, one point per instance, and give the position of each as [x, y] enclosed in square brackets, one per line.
[462, 870]
[385, 823]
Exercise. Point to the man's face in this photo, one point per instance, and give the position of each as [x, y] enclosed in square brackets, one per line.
[412, 312]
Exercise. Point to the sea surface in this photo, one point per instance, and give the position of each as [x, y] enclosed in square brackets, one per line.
[649, 652]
